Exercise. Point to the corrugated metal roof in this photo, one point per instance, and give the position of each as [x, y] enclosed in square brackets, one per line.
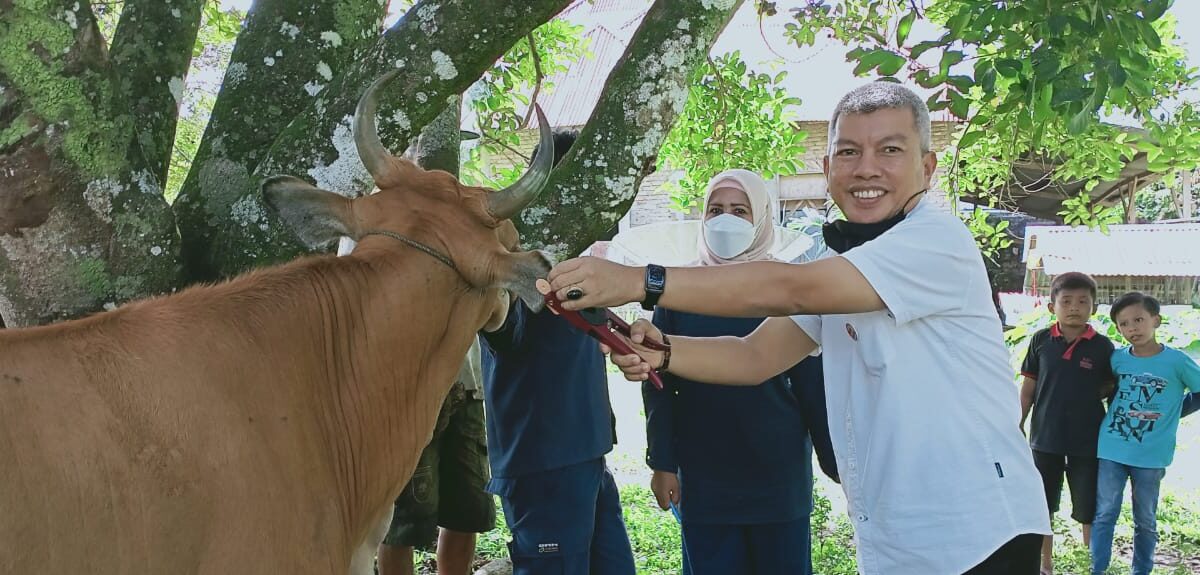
[1127, 250]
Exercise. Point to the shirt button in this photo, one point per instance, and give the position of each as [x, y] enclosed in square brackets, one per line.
[862, 517]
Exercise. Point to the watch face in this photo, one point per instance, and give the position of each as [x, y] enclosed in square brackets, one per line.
[655, 278]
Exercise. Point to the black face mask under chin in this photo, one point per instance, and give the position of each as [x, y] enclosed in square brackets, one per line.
[841, 236]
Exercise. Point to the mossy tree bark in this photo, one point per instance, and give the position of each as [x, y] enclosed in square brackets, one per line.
[83, 224]
[283, 60]
[151, 52]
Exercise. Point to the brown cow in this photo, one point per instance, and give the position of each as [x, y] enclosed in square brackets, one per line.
[263, 425]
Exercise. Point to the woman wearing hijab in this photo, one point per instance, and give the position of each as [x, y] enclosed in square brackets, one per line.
[726, 457]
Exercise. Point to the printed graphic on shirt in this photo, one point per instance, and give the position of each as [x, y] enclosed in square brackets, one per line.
[1137, 406]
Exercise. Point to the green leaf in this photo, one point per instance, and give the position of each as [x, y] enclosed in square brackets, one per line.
[1118, 74]
[1149, 35]
[969, 138]
[1156, 9]
[923, 47]
[959, 105]
[1079, 25]
[892, 64]
[1042, 111]
[1008, 67]
[961, 83]
[988, 82]
[1080, 122]
[1045, 65]
[905, 26]
[949, 58]
[956, 24]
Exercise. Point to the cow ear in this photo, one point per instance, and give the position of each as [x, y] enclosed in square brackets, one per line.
[318, 217]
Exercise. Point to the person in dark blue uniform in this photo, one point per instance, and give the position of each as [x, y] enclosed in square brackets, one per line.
[549, 426]
[737, 461]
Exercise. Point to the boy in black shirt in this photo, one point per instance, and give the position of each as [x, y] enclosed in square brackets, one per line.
[1067, 375]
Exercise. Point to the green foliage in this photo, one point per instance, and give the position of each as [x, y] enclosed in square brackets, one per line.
[653, 532]
[217, 27]
[513, 84]
[1031, 79]
[832, 539]
[734, 118]
[991, 238]
[1081, 211]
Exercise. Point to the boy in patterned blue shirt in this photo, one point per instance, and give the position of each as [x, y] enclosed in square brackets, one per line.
[1137, 438]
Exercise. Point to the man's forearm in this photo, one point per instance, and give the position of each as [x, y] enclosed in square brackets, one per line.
[770, 289]
[718, 360]
[775, 346]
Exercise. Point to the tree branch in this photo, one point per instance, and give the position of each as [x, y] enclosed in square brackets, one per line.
[537, 81]
[151, 52]
[619, 146]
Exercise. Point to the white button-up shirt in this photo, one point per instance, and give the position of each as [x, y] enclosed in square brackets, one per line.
[923, 410]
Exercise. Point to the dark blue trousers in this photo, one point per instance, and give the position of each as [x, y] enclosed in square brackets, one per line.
[566, 522]
[763, 549]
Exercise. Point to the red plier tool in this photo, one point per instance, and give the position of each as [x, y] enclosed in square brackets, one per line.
[599, 323]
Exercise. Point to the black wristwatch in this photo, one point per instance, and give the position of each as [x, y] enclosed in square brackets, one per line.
[656, 280]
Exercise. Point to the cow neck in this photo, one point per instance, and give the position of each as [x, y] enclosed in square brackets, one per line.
[402, 335]
[439, 256]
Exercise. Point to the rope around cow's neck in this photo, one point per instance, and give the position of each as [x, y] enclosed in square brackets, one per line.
[415, 244]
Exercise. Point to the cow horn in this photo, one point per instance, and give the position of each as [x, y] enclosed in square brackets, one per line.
[374, 156]
[509, 202]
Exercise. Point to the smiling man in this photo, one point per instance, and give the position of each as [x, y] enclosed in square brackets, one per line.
[922, 408]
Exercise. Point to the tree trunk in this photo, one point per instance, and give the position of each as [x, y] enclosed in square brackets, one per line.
[439, 143]
[151, 52]
[81, 227]
[618, 148]
[284, 58]
[1185, 194]
[441, 47]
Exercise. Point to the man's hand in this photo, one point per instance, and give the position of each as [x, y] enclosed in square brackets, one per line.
[665, 486]
[598, 282]
[637, 367]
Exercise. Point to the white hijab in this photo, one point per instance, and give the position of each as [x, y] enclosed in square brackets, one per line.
[760, 207]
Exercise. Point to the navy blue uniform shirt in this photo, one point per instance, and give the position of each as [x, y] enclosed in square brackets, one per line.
[545, 395]
[1067, 407]
[743, 454]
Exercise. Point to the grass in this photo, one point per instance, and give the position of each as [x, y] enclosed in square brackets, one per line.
[656, 543]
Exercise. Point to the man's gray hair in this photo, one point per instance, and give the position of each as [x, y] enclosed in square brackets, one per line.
[884, 96]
